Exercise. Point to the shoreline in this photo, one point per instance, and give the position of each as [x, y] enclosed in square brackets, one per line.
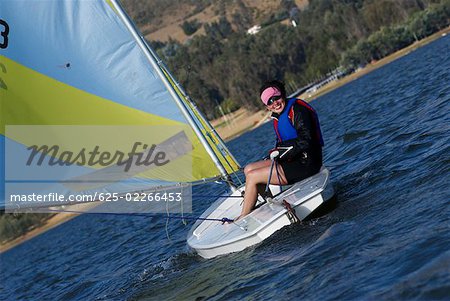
[375, 65]
[50, 223]
[241, 127]
[233, 125]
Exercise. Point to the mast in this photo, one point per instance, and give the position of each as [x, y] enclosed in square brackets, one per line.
[140, 41]
[209, 128]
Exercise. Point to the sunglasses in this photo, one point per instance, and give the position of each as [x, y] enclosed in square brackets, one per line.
[273, 99]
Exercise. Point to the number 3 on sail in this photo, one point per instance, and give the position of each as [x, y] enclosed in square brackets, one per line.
[3, 44]
[4, 33]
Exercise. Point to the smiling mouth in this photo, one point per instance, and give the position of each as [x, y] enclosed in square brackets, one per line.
[277, 107]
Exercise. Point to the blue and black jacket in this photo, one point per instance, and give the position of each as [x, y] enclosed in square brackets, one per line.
[298, 126]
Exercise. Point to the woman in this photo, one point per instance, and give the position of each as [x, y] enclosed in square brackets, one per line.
[299, 144]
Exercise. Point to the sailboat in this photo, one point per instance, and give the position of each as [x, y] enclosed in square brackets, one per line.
[79, 87]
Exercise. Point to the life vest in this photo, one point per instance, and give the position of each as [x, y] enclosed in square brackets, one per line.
[284, 124]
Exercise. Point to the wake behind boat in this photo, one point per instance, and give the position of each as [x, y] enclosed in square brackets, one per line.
[210, 238]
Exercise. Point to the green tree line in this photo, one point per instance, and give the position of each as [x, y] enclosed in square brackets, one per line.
[390, 39]
[228, 66]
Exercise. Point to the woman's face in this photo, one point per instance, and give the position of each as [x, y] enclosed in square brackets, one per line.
[276, 104]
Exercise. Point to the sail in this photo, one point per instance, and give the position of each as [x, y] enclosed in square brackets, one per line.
[225, 157]
[76, 79]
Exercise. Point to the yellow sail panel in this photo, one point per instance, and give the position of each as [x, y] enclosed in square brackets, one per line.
[33, 98]
[46, 101]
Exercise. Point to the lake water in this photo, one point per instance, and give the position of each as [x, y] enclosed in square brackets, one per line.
[387, 138]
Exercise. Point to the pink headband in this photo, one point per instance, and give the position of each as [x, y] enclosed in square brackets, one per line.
[268, 93]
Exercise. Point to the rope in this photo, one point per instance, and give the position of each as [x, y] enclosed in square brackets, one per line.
[167, 221]
[270, 175]
[223, 220]
[291, 212]
[279, 178]
[217, 196]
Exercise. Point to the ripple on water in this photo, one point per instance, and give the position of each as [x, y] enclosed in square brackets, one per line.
[429, 282]
[352, 136]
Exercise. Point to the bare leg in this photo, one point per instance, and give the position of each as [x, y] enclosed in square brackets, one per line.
[261, 189]
[257, 165]
[255, 176]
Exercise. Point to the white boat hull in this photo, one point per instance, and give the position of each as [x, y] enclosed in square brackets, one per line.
[211, 238]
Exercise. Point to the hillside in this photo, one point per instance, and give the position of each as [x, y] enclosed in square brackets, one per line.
[204, 42]
[161, 20]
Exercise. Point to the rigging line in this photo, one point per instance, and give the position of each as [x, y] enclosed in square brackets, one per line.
[182, 213]
[211, 132]
[278, 176]
[222, 220]
[229, 165]
[237, 176]
[167, 222]
[217, 196]
[270, 175]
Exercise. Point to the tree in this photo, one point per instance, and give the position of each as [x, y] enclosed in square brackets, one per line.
[190, 27]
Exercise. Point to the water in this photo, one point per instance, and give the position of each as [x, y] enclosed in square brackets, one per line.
[387, 139]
